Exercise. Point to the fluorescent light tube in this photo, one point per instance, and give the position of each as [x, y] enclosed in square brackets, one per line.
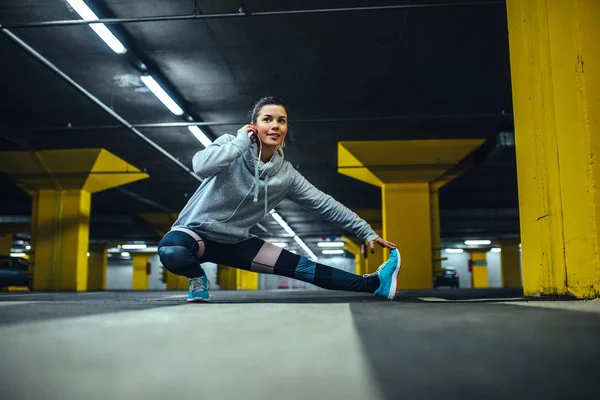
[333, 252]
[305, 248]
[496, 250]
[283, 224]
[477, 242]
[101, 30]
[17, 254]
[125, 254]
[453, 250]
[330, 244]
[161, 94]
[133, 246]
[197, 132]
[279, 244]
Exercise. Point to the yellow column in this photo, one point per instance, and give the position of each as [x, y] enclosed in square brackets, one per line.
[246, 280]
[6, 242]
[436, 243]
[226, 277]
[61, 243]
[140, 271]
[176, 282]
[510, 263]
[406, 222]
[409, 174]
[555, 69]
[97, 262]
[61, 183]
[359, 259]
[479, 269]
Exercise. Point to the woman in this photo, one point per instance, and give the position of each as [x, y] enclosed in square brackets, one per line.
[243, 178]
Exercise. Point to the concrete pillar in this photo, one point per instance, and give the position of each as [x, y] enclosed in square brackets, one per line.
[479, 269]
[409, 174]
[510, 263]
[555, 69]
[355, 250]
[141, 272]
[61, 183]
[97, 264]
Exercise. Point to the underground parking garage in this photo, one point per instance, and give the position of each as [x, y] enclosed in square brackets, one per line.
[399, 198]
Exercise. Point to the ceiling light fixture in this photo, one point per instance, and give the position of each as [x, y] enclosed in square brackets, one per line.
[477, 242]
[330, 244]
[133, 246]
[496, 250]
[161, 94]
[197, 132]
[333, 251]
[101, 30]
[454, 250]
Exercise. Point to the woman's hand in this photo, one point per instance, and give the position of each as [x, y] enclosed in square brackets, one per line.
[249, 130]
[382, 243]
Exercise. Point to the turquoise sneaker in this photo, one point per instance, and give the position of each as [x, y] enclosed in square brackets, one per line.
[388, 274]
[198, 291]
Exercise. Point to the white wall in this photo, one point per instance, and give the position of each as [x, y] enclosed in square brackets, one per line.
[119, 274]
[494, 269]
[154, 280]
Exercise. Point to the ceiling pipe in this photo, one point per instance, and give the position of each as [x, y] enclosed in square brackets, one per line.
[292, 122]
[242, 13]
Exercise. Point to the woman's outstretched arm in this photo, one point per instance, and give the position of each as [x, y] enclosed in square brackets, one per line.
[309, 197]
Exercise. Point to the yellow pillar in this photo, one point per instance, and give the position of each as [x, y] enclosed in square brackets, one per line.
[479, 269]
[359, 259]
[555, 69]
[436, 242]
[140, 271]
[6, 242]
[97, 263]
[406, 222]
[176, 282]
[226, 277]
[409, 174]
[510, 263]
[61, 183]
[246, 280]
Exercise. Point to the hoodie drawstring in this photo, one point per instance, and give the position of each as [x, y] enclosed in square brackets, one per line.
[256, 176]
[266, 191]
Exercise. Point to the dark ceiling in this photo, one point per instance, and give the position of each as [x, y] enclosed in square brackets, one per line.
[412, 73]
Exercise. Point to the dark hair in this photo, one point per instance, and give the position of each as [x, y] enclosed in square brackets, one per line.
[265, 101]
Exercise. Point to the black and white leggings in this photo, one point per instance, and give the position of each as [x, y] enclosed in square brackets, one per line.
[182, 251]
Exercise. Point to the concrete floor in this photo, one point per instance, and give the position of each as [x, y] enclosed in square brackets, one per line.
[438, 344]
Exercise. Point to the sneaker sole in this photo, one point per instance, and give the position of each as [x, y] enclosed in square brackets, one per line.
[198, 300]
[392, 292]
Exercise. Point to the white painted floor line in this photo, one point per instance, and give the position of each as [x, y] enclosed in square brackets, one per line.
[226, 351]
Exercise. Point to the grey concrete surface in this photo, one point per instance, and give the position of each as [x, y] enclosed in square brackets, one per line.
[296, 345]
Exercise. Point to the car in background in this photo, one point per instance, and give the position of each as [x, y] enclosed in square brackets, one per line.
[14, 271]
[448, 277]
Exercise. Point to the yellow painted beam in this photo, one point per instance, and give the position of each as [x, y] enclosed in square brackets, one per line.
[436, 243]
[479, 269]
[406, 222]
[140, 271]
[510, 263]
[402, 161]
[6, 241]
[97, 264]
[555, 69]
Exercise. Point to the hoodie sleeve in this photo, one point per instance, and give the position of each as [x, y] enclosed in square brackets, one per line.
[309, 197]
[220, 154]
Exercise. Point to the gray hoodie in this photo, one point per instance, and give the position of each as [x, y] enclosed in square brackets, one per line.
[238, 190]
